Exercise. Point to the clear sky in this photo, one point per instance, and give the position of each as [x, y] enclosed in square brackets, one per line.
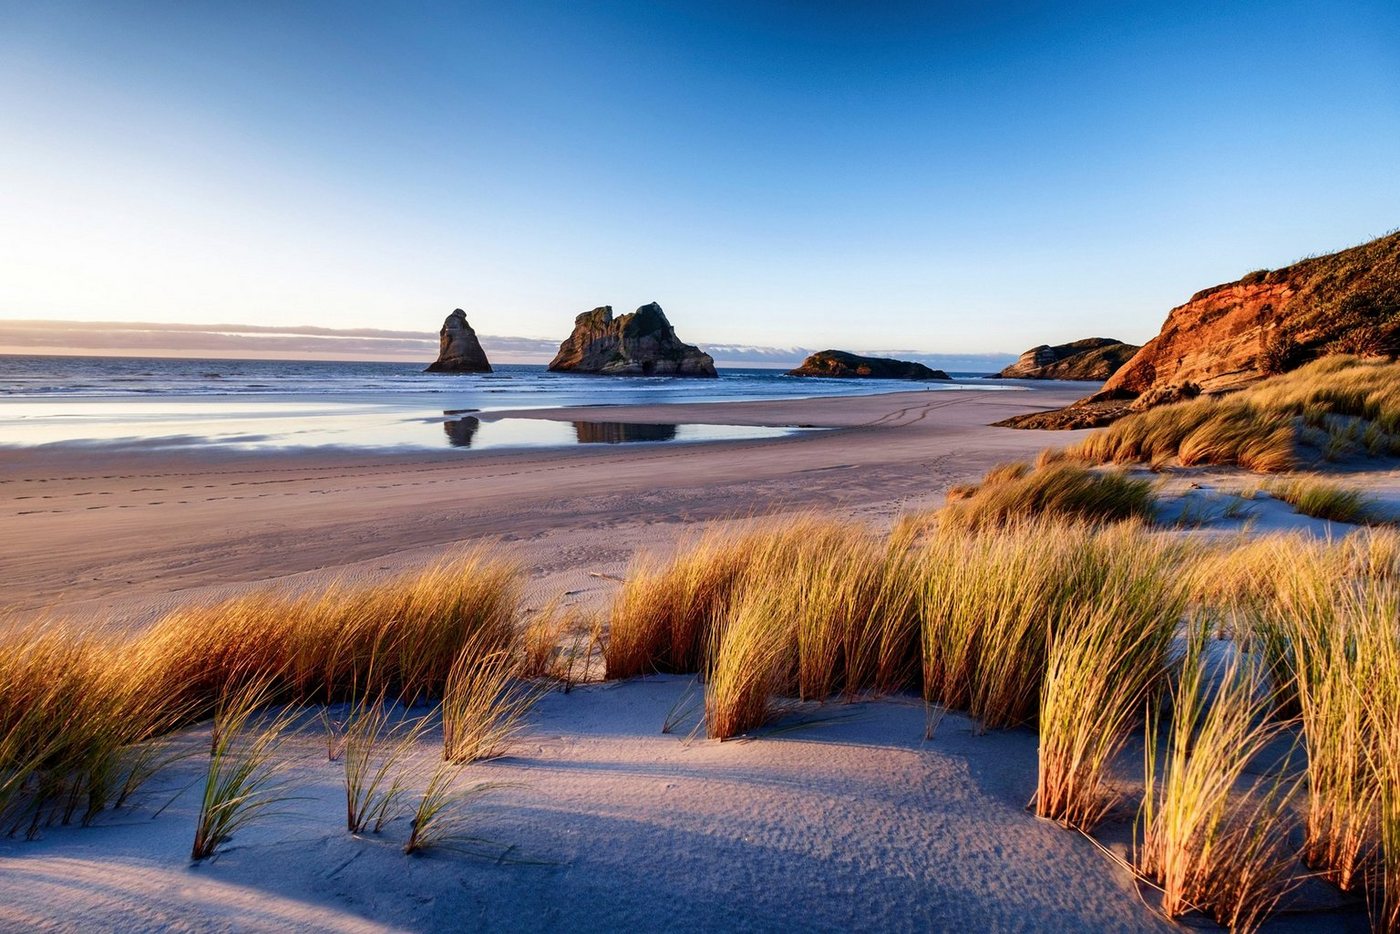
[956, 177]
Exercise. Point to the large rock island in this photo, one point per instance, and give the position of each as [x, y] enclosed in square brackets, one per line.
[839, 364]
[1094, 358]
[640, 344]
[458, 349]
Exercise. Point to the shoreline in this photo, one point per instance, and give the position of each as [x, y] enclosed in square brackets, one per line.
[122, 535]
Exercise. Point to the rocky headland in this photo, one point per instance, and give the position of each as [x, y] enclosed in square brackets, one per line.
[1268, 322]
[839, 364]
[1094, 358]
[640, 344]
[458, 349]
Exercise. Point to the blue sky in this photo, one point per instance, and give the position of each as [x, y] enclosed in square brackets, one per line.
[955, 177]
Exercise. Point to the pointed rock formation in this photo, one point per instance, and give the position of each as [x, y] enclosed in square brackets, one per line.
[640, 344]
[838, 363]
[458, 349]
[1095, 358]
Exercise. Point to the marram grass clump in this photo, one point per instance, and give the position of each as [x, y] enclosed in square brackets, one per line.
[1055, 490]
[1333, 408]
[82, 714]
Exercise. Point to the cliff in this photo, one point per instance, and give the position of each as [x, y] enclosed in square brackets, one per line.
[640, 344]
[1095, 358]
[838, 363]
[1267, 322]
[458, 349]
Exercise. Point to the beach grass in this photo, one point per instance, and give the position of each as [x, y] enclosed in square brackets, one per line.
[442, 818]
[1103, 666]
[484, 703]
[1210, 847]
[1322, 499]
[241, 783]
[378, 743]
[1054, 489]
[82, 713]
[1330, 409]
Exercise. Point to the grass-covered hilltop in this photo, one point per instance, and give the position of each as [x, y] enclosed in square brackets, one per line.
[1266, 323]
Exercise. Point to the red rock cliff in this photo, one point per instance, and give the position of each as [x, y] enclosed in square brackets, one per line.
[1272, 321]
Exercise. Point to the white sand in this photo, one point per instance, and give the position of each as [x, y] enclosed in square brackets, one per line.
[857, 824]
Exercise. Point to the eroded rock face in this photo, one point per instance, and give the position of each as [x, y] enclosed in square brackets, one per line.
[1095, 358]
[1268, 322]
[1273, 321]
[838, 363]
[458, 349]
[640, 344]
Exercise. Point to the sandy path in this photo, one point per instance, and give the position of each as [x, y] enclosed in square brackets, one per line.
[96, 533]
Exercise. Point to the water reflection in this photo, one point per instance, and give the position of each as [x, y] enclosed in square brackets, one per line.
[461, 431]
[622, 432]
[471, 431]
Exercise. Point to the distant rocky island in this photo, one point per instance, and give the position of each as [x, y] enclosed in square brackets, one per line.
[458, 349]
[640, 344]
[843, 365]
[1094, 358]
[1268, 322]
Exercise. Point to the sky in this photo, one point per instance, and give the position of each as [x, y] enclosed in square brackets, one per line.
[940, 177]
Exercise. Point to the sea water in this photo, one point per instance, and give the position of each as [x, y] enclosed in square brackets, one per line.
[154, 403]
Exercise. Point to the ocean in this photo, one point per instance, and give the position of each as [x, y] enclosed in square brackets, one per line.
[153, 403]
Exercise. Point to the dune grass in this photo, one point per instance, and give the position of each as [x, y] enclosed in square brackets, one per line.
[402, 634]
[1322, 499]
[823, 610]
[484, 703]
[442, 818]
[991, 604]
[662, 617]
[1016, 492]
[1103, 666]
[1332, 408]
[377, 746]
[241, 783]
[81, 713]
[1211, 848]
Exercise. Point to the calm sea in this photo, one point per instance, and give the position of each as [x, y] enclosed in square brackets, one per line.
[250, 404]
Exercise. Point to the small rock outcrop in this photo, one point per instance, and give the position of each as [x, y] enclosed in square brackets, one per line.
[1092, 359]
[839, 364]
[458, 349]
[640, 344]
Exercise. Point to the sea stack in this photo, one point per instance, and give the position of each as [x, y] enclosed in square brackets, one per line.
[843, 365]
[458, 349]
[640, 344]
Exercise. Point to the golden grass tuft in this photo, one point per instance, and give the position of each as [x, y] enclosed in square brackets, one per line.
[1016, 492]
[1332, 408]
[1210, 847]
[81, 714]
[991, 602]
[1322, 499]
[1103, 665]
[403, 634]
[484, 704]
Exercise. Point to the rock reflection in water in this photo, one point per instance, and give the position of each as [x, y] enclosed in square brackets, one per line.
[621, 432]
[460, 431]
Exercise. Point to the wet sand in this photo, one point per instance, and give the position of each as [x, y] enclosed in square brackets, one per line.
[99, 534]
